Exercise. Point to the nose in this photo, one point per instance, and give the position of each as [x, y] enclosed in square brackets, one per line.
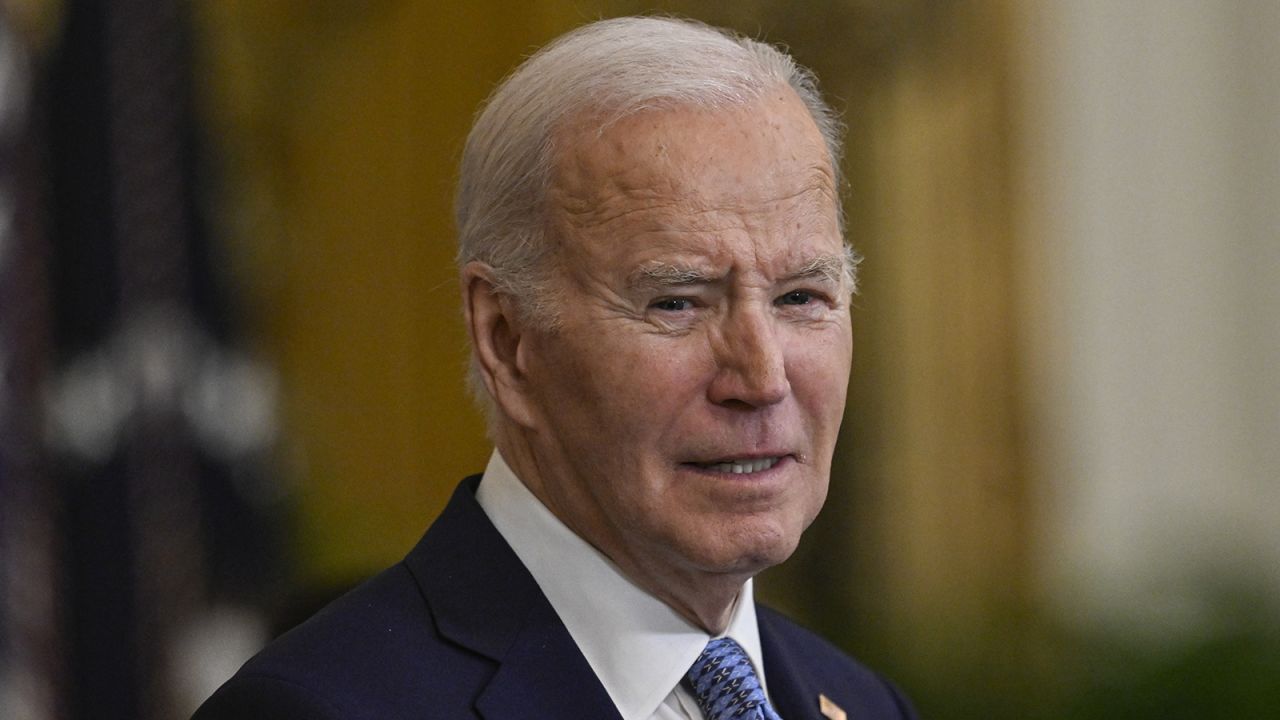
[751, 367]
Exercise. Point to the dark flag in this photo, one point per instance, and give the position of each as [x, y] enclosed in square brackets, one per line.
[159, 425]
[32, 681]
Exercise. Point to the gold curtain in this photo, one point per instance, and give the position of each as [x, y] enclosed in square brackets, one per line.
[341, 124]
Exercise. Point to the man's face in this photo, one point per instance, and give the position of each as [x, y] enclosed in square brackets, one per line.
[687, 406]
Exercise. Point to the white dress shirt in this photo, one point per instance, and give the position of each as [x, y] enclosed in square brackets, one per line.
[637, 645]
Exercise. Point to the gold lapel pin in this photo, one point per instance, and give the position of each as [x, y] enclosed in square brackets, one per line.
[830, 710]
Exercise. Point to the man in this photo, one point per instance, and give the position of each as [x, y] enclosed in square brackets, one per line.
[657, 293]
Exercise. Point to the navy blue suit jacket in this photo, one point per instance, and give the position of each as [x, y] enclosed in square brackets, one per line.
[459, 629]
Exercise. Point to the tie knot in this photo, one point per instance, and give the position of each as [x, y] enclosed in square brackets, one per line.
[725, 685]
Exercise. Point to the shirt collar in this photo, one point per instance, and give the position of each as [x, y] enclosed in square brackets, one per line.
[637, 645]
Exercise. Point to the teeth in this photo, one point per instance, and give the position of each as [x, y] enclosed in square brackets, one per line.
[743, 467]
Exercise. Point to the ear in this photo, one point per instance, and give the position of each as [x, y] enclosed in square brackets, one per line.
[499, 342]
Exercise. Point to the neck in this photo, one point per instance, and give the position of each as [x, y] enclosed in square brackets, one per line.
[707, 602]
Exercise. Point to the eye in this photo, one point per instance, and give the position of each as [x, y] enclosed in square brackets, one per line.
[796, 297]
[676, 304]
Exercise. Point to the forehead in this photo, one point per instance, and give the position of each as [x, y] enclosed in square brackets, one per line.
[760, 168]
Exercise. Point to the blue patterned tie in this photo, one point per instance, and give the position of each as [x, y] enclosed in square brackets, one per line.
[725, 685]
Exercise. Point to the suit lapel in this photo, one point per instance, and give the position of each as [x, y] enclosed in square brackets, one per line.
[544, 675]
[791, 689]
[483, 598]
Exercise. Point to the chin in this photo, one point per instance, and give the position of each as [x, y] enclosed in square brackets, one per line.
[751, 551]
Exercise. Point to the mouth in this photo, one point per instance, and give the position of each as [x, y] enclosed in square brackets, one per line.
[739, 466]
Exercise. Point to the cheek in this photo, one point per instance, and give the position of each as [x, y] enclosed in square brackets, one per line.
[637, 388]
[819, 371]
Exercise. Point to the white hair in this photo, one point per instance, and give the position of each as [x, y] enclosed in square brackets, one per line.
[606, 70]
[610, 69]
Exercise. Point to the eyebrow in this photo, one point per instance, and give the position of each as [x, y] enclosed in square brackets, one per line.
[659, 275]
[831, 268]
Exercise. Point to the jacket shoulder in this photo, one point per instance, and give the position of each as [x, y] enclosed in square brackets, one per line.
[373, 653]
[807, 665]
[249, 697]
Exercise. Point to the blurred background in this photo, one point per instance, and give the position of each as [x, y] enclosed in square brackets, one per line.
[231, 354]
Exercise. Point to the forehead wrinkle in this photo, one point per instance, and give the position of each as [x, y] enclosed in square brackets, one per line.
[818, 177]
[588, 211]
[637, 189]
[643, 213]
[639, 210]
[808, 215]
